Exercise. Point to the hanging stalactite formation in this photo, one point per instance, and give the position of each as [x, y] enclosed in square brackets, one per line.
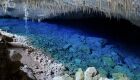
[42, 9]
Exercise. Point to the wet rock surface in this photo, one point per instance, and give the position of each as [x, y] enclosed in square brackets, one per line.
[10, 64]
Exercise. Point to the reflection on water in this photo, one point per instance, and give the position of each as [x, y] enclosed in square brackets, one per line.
[76, 49]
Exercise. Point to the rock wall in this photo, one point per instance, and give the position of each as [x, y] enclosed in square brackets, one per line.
[45, 9]
[9, 63]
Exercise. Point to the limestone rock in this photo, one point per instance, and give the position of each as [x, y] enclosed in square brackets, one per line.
[90, 73]
[64, 77]
[96, 77]
[14, 56]
[102, 78]
[28, 71]
[42, 9]
[79, 75]
[5, 38]
[120, 76]
[58, 78]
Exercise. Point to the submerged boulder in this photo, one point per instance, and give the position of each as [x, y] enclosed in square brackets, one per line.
[124, 70]
[90, 73]
[64, 77]
[79, 75]
[120, 76]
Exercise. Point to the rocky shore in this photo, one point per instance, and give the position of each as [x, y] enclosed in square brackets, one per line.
[31, 62]
[21, 61]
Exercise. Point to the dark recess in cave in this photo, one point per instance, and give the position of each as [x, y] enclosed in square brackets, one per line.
[116, 29]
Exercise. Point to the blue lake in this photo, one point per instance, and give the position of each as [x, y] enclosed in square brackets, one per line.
[75, 48]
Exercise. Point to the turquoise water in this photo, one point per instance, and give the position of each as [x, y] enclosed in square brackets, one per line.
[76, 49]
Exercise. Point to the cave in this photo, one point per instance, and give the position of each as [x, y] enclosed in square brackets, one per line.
[69, 40]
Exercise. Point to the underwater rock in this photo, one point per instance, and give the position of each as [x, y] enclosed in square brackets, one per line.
[117, 59]
[103, 78]
[79, 75]
[103, 73]
[72, 50]
[77, 61]
[90, 73]
[108, 61]
[67, 46]
[84, 49]
[75, 40]
[120, 76]
[64, 77]
[136, 73]
[95, 62]
[131, 62]
[137, 76]
[123, 70]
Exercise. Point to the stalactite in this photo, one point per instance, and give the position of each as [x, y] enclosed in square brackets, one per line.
[129, 8]
[54, 7]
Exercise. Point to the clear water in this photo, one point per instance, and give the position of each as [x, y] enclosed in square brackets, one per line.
[75, 49]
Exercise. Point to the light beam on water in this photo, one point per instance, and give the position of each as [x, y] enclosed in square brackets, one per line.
[26, 14]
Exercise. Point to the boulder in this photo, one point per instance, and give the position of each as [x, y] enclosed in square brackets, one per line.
[79, 75]
[28, 71]
[64, 77]
[102, 78]
[90, 73]
[6, 38]
[17, 45]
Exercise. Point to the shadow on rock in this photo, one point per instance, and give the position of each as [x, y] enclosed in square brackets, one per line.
[10, 70]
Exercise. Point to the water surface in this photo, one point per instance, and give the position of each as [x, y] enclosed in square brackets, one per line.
[77, 49]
